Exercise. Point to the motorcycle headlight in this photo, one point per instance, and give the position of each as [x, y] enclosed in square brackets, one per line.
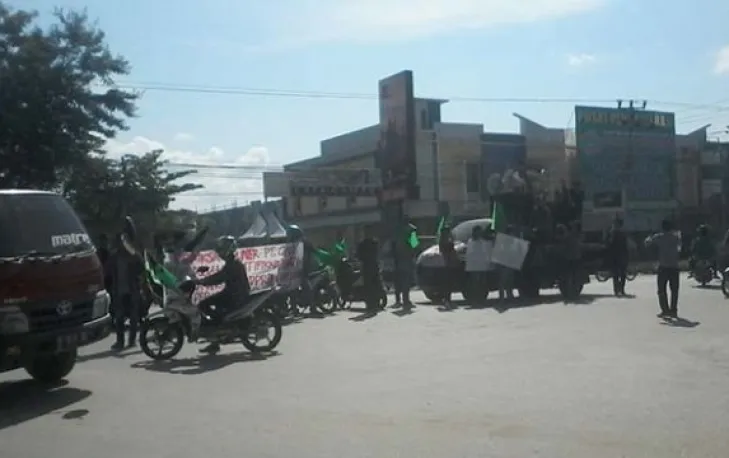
[101, 305]
[13, 321]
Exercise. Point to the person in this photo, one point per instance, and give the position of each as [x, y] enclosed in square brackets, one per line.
[616, 246]
[309, 263]
[125, 271]
[448, 251]
[403, 260]
[368, 255]
[668, 244]
[104, 253]
[702, 249]
[236, 287]
[506, 275]
[478, 262]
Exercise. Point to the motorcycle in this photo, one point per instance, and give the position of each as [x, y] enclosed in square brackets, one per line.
[703, 272]
[323, 291]
[350, 282]
[180, 318]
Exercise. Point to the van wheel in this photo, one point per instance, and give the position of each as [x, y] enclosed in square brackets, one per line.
[52, 368]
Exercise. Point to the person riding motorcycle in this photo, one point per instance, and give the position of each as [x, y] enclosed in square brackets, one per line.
[236, 287]
[702, 249]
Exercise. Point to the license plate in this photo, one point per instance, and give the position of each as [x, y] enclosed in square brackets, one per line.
[69, 342]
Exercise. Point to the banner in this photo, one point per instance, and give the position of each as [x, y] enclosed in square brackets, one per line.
[267, 266]
[509, 251]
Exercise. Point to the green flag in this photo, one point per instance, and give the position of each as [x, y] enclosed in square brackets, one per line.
[159, 274]
[340, 248]
[413, 238]
[498, 219]
[323, 257]
[441, 226]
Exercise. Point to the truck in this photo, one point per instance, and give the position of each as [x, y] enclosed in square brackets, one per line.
[522, 208]
[52, 294]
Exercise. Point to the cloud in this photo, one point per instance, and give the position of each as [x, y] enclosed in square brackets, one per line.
[384, 21]
[721, 64]
[226, 179]
[183, 137]
[581, 60]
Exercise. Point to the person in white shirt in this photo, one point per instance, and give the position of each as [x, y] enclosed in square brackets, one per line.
[478, 262]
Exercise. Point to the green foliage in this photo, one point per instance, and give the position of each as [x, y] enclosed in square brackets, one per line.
[53, 109]
[104, 190]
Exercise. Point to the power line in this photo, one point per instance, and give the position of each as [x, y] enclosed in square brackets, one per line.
[268, 92]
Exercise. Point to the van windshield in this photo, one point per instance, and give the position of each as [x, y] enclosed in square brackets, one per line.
[42, 224]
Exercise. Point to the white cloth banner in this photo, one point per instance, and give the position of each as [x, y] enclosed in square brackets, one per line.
[267, 265]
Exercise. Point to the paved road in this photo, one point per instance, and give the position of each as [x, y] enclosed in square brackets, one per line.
[603, 378]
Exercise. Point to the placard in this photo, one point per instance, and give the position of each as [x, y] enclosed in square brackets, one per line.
[509, 251]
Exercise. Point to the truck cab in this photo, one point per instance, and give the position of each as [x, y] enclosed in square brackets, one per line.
[52, 296]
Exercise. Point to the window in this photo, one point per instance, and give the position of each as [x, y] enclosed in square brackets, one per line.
[473, 178]
[351, 201]
[323, 203]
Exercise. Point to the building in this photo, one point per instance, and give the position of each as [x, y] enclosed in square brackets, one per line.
[444, 172]
[627, 162]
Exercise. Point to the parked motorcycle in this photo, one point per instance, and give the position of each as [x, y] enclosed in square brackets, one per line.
[249, 322]
[323, 291]
[350, 283]
[703, 272]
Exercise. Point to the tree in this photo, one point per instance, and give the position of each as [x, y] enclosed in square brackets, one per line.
[58, 102]
[104, 190]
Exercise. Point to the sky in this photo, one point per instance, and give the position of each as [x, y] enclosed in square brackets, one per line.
[225, 53]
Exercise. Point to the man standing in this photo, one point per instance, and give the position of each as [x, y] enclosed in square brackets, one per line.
[402, 255]
[126, 271]
[368, 255]
[617, 256]
[668, 243]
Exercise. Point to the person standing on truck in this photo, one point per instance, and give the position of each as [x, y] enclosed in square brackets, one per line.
[126, 272]
[668, 243]
[617, 256]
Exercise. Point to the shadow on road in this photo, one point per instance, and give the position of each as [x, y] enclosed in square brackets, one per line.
[202, 364]
[109, 354]
[27, 399]
[680, 323]
[708, 286]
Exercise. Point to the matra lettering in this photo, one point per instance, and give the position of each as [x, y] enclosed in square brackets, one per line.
[69, 240]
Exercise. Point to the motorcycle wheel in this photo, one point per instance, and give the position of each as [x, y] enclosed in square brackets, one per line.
[603, 276]
[163, 332]
[725, 286]
[329, 301]
[251, 335]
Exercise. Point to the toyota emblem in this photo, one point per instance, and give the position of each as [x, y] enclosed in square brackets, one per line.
[64, 308]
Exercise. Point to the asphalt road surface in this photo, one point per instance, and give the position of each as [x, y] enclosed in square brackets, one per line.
[601, 378]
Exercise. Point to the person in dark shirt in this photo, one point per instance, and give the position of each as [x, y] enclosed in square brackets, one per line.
[447, 249]
[236, 287]
[368, 254]
[617, 256]
[125, 274]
